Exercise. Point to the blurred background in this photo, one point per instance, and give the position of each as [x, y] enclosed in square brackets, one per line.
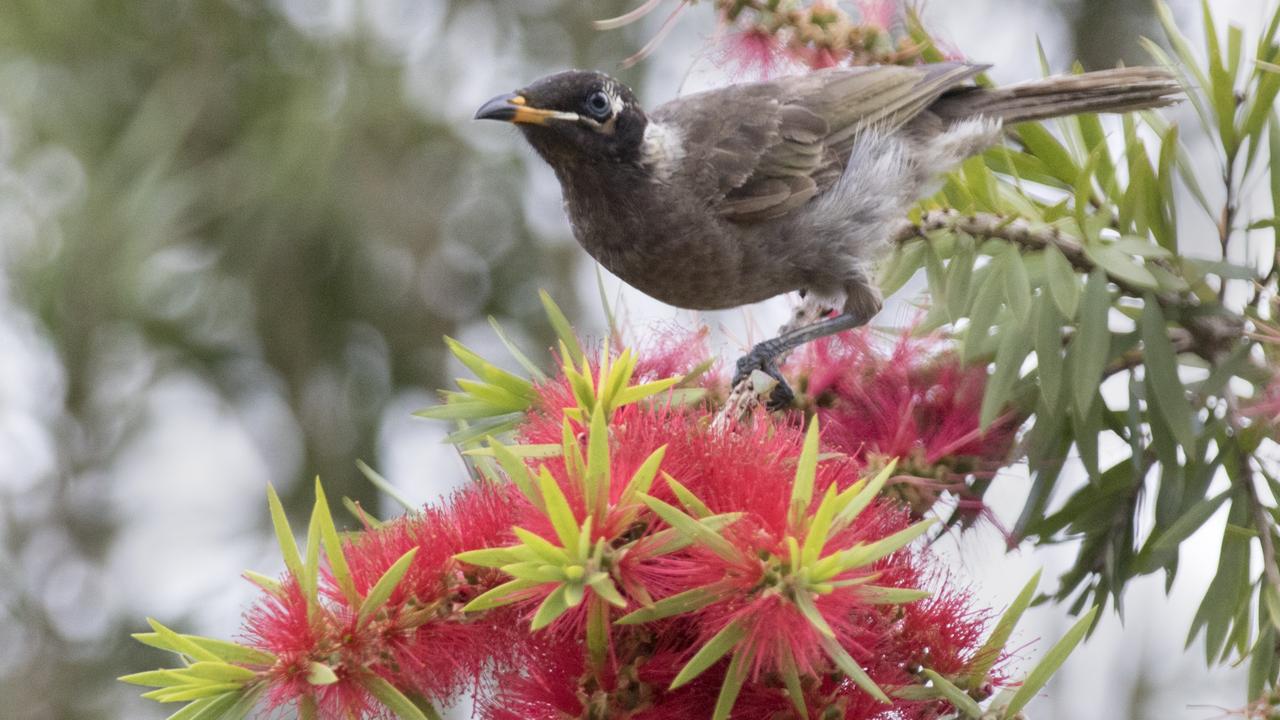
[231, 235]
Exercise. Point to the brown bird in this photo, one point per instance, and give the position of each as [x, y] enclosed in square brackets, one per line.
[734, 195]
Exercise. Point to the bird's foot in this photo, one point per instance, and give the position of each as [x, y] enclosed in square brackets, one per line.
[763, 357]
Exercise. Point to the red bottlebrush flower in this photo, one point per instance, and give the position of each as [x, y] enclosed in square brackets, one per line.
[915, 402]
[754, 53]
[674, 352]
[279, 624]
[419, 641]
[880, 14]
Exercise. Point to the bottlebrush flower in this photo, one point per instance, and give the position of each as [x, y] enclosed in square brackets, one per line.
[786, 590]
[915, 402]
[389, 614]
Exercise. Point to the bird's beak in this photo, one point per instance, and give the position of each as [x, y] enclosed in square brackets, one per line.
[512, 107]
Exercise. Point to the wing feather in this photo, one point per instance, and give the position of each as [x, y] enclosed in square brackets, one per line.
[758, 151]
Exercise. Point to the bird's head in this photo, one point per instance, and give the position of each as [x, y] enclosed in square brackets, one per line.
[574, 116]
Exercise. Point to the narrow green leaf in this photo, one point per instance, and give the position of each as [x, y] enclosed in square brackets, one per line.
[642, 479]
[391, 698]
[677, 604]
[1164, 387]
[541, 547]
[850, 667]
[692, 528]
[863, 497]
[596, 481]
[721, 643]
[692, 505]
[1063, 285]
[553, 606]
[504, 594]
[322, 518]
[1090, 349]
[734, 678]
[990, 652]
[284, 536]
[877, 595]
[320, 674]
[169, 640]
[954, 695]
[558, 510]
[499, 556]
[806, 473]
[381, 590]
[1049, 664]
[815, 538]
[791, 680]
[385, 487]
[563, 330]
[1017, 286]
[529, 366]
[803, 601]
[1015, 342]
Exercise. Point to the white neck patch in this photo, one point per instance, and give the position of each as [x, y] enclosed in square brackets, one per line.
[661, 150]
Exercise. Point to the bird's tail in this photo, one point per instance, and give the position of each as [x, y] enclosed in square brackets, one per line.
[1118, 90]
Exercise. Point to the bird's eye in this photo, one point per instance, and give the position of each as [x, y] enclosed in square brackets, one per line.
[599, 105]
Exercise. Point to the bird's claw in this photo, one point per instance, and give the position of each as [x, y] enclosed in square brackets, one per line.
[760, 358]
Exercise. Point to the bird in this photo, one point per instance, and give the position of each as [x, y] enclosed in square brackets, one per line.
[737, 194]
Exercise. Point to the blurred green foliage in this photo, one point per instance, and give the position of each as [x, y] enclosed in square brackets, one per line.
[271, 198]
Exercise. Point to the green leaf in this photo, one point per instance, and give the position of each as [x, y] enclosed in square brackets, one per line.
[851, 668]
[1017, 286]
[539, 546]
[1015, 342]
[504, 594]
[529, 366]
[1164, 387]
[381, 590]
[385, 487]
[1049, 664]
[806, 473]
[877, 595]
[284, 536]
[167, 639]
[1043, 145]
[393, 699]
[691, 528]
[558, 511]
[954, 695]
[1090, 348]
[677, 604]
[216, 649]
[642, 479]
[563, 330]
[1120, 266]
[734, 677]
[1162, 545]
[803, 601]
[323, 519]
[861, 555]
[1048, 347]
[902, 265]
[715, 648]
[1063, 285]
[320, 674]
[692, 505]
[553, 606]
[990, 652]
[791, 679]
[596, 480]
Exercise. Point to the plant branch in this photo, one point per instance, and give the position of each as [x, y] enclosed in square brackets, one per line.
[1212, 334]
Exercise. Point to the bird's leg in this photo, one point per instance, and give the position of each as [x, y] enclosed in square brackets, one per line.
[764, 356]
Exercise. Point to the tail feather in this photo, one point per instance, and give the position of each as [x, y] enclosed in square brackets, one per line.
[1118, 90]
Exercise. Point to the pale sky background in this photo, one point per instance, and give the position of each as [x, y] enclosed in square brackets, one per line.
[195, 466]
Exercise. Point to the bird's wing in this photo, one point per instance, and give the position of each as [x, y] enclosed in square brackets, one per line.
[756, 151]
